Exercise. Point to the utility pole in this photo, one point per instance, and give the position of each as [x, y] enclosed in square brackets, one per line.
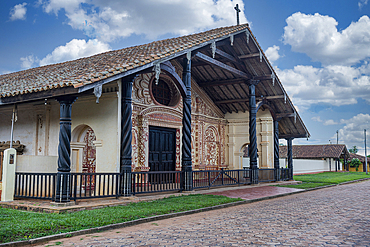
[337, 137]
[365, 152]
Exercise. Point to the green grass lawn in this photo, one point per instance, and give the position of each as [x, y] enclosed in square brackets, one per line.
[325, 178]
[21, 225]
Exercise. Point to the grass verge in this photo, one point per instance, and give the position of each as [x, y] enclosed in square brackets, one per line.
[326, 178]
[19, 225]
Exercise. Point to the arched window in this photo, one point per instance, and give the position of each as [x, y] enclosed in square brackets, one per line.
[162, 93]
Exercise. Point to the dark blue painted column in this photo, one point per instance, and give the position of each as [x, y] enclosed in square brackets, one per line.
[290, 157]
[64, 150]
[252, 132]
[126, 136]
[276, 150]
[186, 128]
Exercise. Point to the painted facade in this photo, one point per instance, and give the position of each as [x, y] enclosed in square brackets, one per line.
[217, 139]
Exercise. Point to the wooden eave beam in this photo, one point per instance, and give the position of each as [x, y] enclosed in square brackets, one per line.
[221, 65]
[283, 115]
[248, 56]
[227, 56]
[263, 78]
[271, 97]
[51, 93]
[229, 101]
[221, 82]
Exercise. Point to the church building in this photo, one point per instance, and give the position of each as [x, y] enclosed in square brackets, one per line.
[190, 103]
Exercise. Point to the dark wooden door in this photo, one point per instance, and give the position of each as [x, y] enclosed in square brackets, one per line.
[162, 155]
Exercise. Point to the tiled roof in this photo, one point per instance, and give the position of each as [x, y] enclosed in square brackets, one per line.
[360, 157]
[87, 70]
[314, 151]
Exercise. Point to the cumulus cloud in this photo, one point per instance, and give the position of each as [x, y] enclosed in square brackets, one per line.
[336, 85]
[317, 36]
[352, 134]
[330, 122]
[316, 118]
[108, 20]
[18, 12]
[272, 53]
[29, 61]
[76, 48]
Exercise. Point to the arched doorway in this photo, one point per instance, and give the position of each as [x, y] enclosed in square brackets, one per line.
[84, 154]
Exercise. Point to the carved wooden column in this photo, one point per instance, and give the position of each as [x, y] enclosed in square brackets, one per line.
[186, 127]
[126, 136]
[290, 157]
[276, 150]
[64, 150]
[252, 132]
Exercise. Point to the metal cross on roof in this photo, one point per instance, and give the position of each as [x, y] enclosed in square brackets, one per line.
[237, 13]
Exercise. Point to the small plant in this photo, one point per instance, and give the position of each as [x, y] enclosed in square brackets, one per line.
[355, 163]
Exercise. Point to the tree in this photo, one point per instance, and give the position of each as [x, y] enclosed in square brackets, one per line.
[353, 150]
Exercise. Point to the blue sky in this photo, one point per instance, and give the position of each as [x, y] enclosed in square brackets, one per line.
[319, 49]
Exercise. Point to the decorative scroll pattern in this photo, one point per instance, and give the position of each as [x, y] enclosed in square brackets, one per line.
[134, 144]
[211, 146]
[141, 89]
[89, 158]
[143, 141]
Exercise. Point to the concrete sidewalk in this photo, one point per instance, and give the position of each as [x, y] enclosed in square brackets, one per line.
[246, 192]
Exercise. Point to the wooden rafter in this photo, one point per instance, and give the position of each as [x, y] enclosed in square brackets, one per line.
[248, 56]
[221, 82]
[221, 65]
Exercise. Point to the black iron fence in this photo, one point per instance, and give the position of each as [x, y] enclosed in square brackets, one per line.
[100, 185]
[285, 174]
[35, 185]
[149, 182]
[94, 185]
[213, 178]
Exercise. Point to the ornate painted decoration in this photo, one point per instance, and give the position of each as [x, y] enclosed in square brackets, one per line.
[89, 158]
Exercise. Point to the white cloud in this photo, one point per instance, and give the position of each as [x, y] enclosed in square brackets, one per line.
[76, 48]
[272, 53]
[316, 118]
[29, 61]
[352, 134]
[330, 122]
[361, 3]
[108, 20]
[18, 12]
[335, 85]
[317, 36]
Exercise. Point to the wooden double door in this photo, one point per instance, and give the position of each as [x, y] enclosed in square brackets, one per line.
[162, 152]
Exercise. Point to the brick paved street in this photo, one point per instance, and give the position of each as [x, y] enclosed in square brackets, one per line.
[335, 216]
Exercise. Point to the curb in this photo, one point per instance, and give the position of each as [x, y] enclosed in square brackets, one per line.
[162, 217]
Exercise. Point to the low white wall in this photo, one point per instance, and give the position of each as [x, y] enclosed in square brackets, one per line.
[37, 163]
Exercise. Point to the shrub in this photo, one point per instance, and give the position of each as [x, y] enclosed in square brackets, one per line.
[355, 163]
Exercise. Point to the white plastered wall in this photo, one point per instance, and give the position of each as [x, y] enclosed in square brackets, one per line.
[102, 118]
[35, 129]
[238, 136]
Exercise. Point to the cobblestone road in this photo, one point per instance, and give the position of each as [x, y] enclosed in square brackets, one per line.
[336, 216]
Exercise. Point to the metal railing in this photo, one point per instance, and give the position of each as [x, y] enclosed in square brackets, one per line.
[94, 185]
[100, 185]
[214, 178]
[150, 182]
[285, 174]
